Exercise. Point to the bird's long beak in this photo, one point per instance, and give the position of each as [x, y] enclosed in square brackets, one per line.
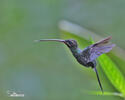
[57, 40]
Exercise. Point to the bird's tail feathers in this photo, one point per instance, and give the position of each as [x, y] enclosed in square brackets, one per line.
[98, 79]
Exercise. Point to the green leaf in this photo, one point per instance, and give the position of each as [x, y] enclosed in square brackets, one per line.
[105, 93]
[112, 72]
[109, 67]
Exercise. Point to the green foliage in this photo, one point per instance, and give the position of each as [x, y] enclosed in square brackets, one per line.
[106, 93]
[113, 73]
[109, 67]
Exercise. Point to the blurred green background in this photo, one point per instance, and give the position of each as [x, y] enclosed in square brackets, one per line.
[44, 71]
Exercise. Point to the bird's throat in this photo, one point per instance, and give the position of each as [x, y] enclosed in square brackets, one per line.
[76, 51]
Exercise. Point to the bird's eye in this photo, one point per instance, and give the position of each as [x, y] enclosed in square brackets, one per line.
[72, 42]
[69, 43]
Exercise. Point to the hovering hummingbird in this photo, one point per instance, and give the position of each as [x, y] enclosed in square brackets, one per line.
[87, 57]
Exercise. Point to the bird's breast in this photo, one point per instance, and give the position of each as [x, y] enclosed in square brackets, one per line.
[81, 60]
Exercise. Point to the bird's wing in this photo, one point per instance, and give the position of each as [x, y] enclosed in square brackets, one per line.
[95, 50]
[102, 42]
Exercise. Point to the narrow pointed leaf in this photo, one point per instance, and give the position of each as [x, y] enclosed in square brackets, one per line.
[105, 93]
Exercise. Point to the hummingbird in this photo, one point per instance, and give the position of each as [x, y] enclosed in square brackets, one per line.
[87, 57]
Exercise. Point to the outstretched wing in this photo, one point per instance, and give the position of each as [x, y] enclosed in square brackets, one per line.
[102, 42]
[95, 50]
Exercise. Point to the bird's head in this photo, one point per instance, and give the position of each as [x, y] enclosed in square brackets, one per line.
[71, 43]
